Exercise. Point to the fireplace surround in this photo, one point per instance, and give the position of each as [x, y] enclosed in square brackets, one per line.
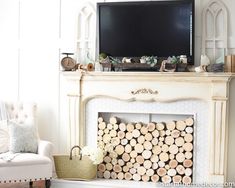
[206, 95]
[145, 112]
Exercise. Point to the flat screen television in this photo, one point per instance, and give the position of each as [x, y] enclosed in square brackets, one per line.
[135, 29]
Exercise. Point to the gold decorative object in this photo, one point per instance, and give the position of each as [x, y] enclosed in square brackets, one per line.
[144, 91]
[86, 67]
[167, 67]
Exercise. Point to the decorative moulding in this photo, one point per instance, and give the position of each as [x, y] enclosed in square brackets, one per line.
[144, 91]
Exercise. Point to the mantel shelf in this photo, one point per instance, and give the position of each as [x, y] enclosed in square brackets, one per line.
[161, 76]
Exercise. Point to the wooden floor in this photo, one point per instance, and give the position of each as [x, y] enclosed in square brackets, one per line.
[22, 185]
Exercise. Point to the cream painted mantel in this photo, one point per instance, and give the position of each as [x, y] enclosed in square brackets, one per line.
[159, 87]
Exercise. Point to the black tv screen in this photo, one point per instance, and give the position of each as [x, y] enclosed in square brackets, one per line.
[135, 29]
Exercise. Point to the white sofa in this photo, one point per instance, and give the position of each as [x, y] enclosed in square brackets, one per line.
[26, 167]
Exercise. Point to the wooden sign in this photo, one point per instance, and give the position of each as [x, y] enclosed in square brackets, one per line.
[229, 65]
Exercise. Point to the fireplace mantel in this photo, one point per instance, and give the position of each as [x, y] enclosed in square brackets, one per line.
[168, 86]
[74, 75]
[159, 87]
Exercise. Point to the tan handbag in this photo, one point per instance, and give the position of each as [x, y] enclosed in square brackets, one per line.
[75, 167]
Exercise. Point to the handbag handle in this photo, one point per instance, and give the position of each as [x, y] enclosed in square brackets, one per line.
[70, 156]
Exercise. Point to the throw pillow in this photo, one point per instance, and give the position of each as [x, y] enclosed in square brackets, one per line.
[23, 138]
[4, 137]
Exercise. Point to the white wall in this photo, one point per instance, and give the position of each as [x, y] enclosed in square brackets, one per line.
[29, 51]
[32, 36]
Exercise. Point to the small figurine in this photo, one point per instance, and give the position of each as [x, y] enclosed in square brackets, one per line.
[127, 60]
[202, 68]
[205, 62]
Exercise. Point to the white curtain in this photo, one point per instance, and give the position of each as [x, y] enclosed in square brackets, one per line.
[3, 111]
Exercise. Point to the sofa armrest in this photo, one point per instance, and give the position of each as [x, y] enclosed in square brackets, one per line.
[45, 148]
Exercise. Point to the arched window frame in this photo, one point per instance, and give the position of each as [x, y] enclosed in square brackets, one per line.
[86, 33]
[216, 41]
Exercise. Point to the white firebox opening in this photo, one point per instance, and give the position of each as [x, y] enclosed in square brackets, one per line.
[156, 112]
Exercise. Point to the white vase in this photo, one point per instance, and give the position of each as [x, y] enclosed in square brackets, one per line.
[142, 61]
[205, 60]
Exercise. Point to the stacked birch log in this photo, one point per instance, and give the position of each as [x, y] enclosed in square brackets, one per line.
[157, 152]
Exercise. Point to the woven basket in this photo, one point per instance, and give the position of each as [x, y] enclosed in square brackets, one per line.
[74, 167]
